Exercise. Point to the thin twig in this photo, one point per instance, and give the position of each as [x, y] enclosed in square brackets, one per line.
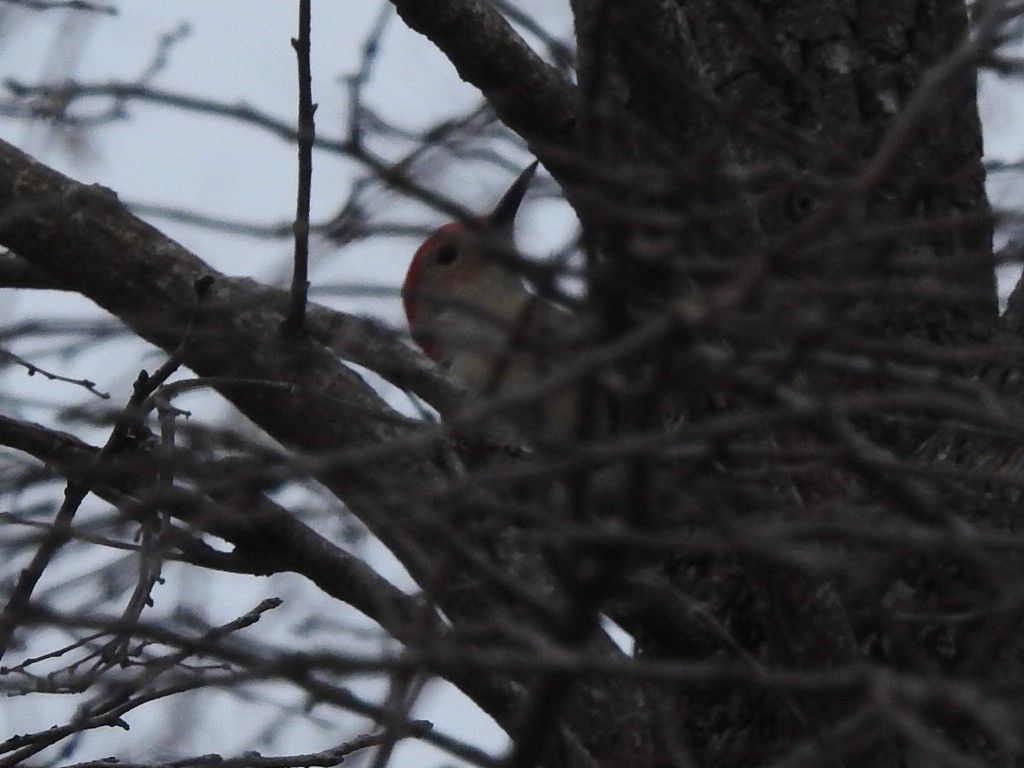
[127, 425]
[65, 5]
[358, 81]
[33, 369]
[295, 323]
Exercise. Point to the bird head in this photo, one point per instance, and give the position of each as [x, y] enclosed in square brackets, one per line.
[461, 274]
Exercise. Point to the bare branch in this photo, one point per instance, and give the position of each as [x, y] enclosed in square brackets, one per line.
[530, 97]
[295, 322]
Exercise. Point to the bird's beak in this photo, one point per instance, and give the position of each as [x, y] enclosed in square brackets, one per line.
[503, 217]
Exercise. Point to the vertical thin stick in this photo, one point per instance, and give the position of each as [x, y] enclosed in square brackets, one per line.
[307, 132]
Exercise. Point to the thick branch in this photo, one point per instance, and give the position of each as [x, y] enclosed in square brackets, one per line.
[268, 537]
[529, 96]
[296, 546]
[369, 456]
[15, 272]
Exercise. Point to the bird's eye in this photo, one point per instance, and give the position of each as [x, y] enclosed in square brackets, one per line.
[446, 255]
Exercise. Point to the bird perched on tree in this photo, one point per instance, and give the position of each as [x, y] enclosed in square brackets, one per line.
[470, 311]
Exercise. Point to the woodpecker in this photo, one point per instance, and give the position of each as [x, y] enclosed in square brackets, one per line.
[470, 311]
